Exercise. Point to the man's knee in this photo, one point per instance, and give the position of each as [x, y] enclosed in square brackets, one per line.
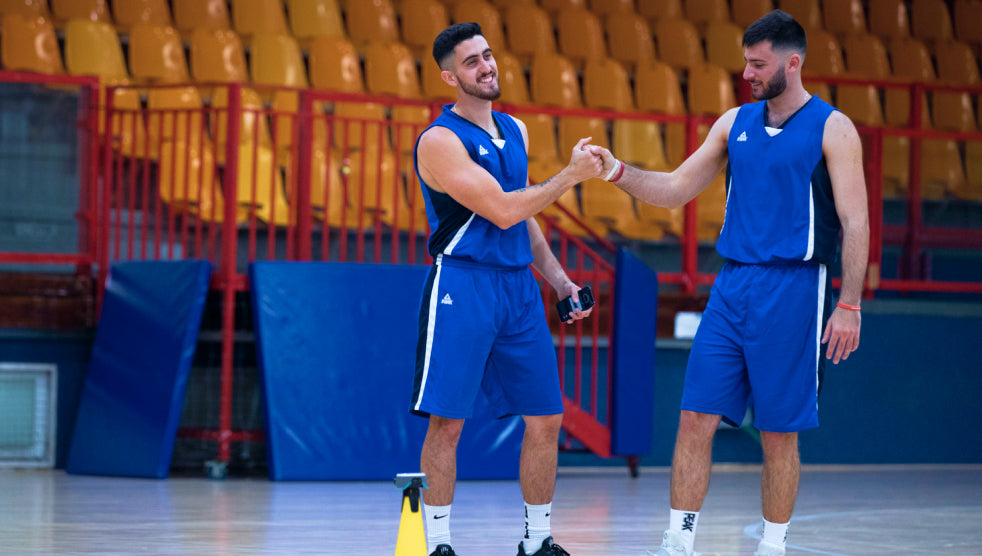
[543, 425]
[444, 431]
[693, 424]
[779, 444]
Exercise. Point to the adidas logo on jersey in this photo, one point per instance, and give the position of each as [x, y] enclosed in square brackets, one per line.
[446, 300]
[742, 137]
[481, 150]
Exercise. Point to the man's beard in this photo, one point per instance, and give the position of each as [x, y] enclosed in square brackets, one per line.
[774, 87]
[476, 91]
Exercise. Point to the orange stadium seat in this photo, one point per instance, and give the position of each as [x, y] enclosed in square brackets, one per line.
[701, 12]
[607, 7]
[571, 130]
[485, 15]
[157, 54]
[823, 58]
[911, 61]
[128, 13]
[679, 44]
[581, 37]
[724, 46]
[967, 14]
[607, 209]
[556, 7]
[629, 39]
[434, 87]
[93, 48]
[511, 78]
[888, 19]
[746, 12]
[334, 65]
[92, 10]
[805, 12]
[371, 20]
[421, 22]
[554, 81]
[656, 89]
[544, 156]
[258, 16]
[26, 7]
[391, 69]
[192, 14]
[710, 93]
[28, 43]
[529, 31]
[957, 64]
[653, 10]
[931, 22]
[843, 17]
[315, 18]
[606, 86]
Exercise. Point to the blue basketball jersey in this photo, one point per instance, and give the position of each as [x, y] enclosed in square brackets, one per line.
[456, 231]
[779, 204]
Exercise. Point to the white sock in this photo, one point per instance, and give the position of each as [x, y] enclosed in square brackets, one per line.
[437, 526]
[775, 533]
[685, 523]
[537, 526]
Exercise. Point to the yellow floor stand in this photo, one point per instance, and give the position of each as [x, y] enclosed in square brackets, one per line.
[412, 537]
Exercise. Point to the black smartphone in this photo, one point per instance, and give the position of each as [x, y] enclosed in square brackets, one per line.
[566, 306]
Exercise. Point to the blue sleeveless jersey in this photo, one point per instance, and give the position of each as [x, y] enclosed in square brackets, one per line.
[779, 205]
[456, 231]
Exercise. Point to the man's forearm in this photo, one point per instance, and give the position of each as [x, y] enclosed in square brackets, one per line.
[855, 255]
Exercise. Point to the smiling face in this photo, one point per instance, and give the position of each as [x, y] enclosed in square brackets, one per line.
[474, 69]
[766, 70]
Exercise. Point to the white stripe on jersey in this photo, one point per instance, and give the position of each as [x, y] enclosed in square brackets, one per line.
[430, 325]
[822, 277]
[811, 222]
[460, 234]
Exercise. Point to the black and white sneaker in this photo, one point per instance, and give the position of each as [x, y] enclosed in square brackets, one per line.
[549, 548]
[443, 550]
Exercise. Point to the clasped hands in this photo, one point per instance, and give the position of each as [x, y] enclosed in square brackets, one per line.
[591, 161]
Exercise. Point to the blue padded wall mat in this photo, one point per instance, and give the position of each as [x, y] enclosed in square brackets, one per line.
[635, 316]
[337, 345]
[134, 391]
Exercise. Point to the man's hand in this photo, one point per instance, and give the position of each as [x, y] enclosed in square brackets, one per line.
[608, 158]
[584, 163]
[842, 334]
[569, 289]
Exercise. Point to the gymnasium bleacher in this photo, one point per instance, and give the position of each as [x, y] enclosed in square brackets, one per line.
[322, 101]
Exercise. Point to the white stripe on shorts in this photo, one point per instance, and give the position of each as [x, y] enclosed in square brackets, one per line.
[430, 325]
[822, 277]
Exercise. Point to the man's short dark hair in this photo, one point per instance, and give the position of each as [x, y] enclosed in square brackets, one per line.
[781, 29]
[449, 38]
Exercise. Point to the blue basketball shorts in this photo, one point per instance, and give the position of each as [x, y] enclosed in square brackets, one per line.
[759, 345]
[484, 329]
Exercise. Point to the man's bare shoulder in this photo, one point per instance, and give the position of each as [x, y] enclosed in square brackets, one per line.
[438, 139]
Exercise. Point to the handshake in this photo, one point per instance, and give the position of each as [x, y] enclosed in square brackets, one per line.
[592, 161]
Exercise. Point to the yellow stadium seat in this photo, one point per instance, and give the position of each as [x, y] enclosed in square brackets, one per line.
[217, 55]
[63, 11]
[805, 12]
[556, 7]
[702, 12]
[157, 54]
[896, 166]
[542, 142]
[639, 143]
[866, 56]
[608, 209]
[554, 81]
[421, 22]
[128, 13]
[953, 112]
[629, 38]
[888, 19]
[529, 31]
[371, 182]
[973, 173]
[391, 69]
[861, 103]
[710, 90]
[824, 55]
[334, 65]
[656, 89]
[258, 16]
[276, 60]
[28, 43]
[315, 18]
[654, 10]
[327, 199]
[25, 7]
[931, 22]
[957, 63]
[187, 174]
[679, 44]
[843, 17]
[942, 171]
[92, 48]
[208, 14]
[581, 37]
[360, 126]
[511, 78]
[606, 85]
[911, 61]
[724, 46]
[746, 12]
[574, 128]
[711, 209]
[485, 15]
[607, 7]
[369, 21]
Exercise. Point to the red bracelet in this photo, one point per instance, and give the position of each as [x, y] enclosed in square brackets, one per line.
[848, 307]
[620, 173]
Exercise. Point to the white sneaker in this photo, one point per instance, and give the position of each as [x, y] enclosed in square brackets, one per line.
[768, 549]
[672, 545]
